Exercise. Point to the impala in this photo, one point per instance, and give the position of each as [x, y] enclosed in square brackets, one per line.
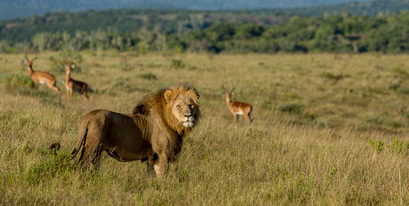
[72, 85]
[41, 77]
[238, 108]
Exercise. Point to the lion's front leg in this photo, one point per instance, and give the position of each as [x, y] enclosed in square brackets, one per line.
[161, 166]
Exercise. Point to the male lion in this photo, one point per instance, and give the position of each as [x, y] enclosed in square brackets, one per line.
[152, 133]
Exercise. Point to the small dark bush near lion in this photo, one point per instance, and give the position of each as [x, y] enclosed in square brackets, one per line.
[326, 131]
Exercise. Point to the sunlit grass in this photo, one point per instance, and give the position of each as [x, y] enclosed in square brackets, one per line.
[327, 131]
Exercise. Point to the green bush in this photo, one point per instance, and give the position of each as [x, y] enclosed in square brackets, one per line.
[148, 76]
[177, 64]
[399, 147]
[19, 80]
[332, 76]
[377, 145]
[291, 108]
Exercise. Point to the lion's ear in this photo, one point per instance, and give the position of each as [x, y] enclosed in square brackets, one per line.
[197, 93]
[194, 95]
[168, 96]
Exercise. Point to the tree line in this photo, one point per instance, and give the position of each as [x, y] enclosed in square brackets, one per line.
[342, 32]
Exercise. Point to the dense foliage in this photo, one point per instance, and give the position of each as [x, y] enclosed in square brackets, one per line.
[179, 31]
[370, 8]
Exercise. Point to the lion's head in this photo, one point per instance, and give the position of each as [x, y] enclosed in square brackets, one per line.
[183, 105]
[178, 105]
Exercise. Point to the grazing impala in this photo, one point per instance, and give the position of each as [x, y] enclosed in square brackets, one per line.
[238, 108]
[41, 77]
[72, 85]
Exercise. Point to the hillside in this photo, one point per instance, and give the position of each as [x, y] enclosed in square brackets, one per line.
[23, 8]
[126, 20]
[370, 8]
[210, 32]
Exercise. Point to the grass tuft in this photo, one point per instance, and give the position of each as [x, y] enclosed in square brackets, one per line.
[148, 76]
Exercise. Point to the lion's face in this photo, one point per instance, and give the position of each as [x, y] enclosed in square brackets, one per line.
[184, 109]
[183, 106]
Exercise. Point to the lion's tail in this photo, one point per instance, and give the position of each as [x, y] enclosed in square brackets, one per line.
[82, 134]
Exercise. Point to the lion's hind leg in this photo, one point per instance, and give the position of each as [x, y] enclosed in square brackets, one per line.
[92, 149]
[92, 154]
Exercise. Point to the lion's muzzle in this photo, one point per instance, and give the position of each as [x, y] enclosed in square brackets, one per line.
[189, 122]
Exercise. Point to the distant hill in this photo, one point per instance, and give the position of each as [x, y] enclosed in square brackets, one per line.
[370, 8]
[178, 31]
[127, 20]
[23, 8]
[170, 21]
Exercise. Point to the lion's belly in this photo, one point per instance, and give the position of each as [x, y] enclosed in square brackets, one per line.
[127, 156]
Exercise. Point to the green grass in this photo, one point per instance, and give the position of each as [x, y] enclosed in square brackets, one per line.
[327, 131]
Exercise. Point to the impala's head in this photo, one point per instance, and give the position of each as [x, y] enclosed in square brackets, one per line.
[29, 62]
[69, 66]
[228, 94]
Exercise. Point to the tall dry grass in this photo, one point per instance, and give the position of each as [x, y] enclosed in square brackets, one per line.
[328, 130]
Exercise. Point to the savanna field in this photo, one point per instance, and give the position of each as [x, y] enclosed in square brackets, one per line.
[329, 129]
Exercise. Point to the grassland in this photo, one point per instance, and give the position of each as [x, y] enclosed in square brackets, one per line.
[328, 130]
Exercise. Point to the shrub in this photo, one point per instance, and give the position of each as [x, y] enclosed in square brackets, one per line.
[291, 108]
[19, 80]
[332, 76]
[177, 64]
[378, 145]
[399, 147]
[394, 86]
[148, 76]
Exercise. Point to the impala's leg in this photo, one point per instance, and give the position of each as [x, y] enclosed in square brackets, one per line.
[84, 92]
[53, 87]
[161, 165]
[247, 114]
[71, 92]
[85, 96]
[68, 94]
[236, 117]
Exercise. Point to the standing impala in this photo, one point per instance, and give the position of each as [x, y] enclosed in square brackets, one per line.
[41, 77]
[238, 108]
[72, 85]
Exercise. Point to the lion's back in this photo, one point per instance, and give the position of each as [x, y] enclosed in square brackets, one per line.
[109, 125]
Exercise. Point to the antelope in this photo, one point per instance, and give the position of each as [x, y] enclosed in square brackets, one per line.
[72, 85]
[41, 77]
[238, 108]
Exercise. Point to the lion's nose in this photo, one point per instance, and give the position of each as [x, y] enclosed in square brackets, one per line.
[188, 115]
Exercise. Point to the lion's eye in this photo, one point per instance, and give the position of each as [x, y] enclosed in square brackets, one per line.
[179, 107]
[192, 106]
